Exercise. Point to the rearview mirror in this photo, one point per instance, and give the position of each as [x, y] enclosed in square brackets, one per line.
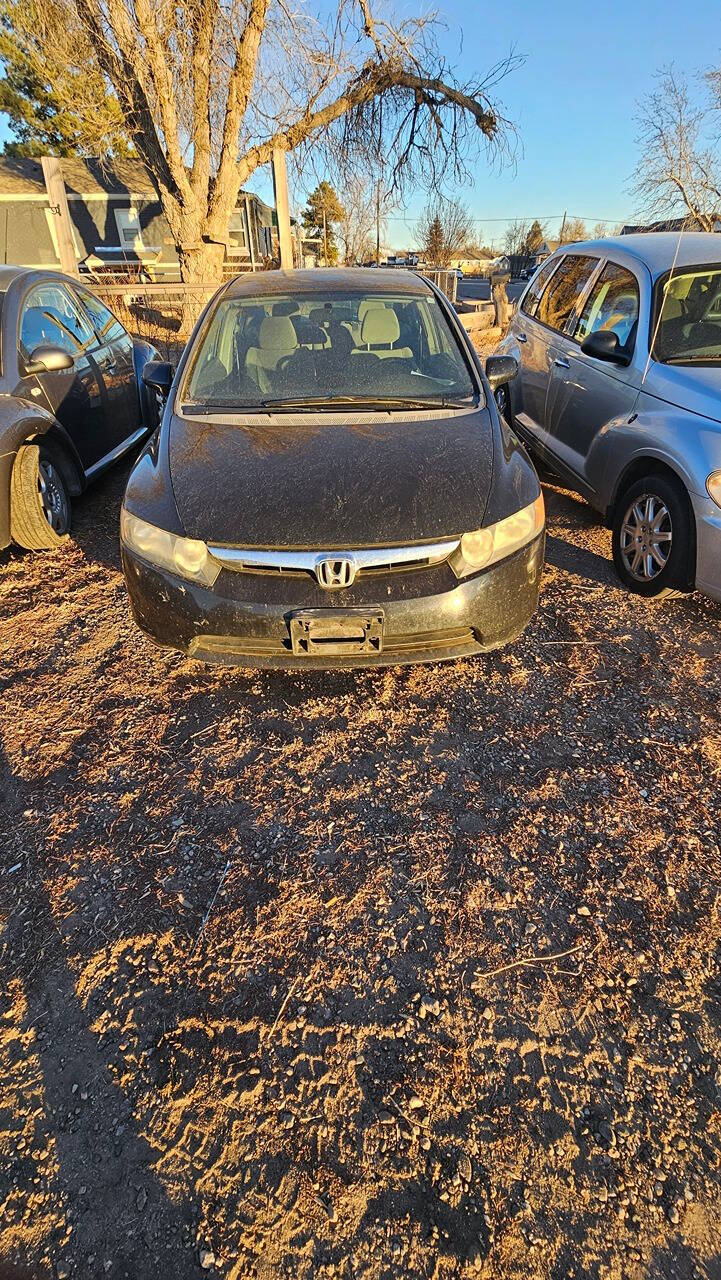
[158, 375]
[500, 370]
[48, 359]
[604, 345]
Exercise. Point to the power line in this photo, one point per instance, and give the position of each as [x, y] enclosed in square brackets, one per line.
[515, 217]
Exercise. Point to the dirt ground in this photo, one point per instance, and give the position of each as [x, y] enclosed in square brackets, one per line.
[406, 973]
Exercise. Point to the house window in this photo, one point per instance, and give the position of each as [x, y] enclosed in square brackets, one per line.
[237, 237]
[128, 224]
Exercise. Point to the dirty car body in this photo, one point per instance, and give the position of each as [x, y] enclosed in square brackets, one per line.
[331, 484]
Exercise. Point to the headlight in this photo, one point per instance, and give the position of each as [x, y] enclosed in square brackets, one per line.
[484, 547]
[713, 484]
[186, 557]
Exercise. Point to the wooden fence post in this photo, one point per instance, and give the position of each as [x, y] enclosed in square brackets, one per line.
[55, 187]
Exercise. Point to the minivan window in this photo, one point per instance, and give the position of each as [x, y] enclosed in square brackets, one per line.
[330, 347]
[537, 285]
[686, 323]
[565, 290]
[611, 306]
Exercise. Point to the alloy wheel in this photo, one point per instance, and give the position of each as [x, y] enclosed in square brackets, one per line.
[646, 537]
[52, 496]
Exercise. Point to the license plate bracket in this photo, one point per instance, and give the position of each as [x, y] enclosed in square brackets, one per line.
[336, 633]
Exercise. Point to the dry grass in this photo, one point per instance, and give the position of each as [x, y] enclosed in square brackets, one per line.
[279, 1087]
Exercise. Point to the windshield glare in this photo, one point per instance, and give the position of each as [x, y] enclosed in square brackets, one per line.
[359, 346]
[688, 317]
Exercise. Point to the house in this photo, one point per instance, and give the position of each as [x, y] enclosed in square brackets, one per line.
[470, 263]
[117, 220]
[688, 223]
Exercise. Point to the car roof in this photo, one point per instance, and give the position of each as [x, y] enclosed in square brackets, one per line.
[324, 281]
[657, 250]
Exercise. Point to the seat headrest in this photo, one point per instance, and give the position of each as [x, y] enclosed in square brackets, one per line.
[368, 304]
[380, 325]
[285, 307]
[672, 309]
[277, 334]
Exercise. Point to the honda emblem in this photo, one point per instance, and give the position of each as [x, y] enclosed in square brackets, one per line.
[335, 572]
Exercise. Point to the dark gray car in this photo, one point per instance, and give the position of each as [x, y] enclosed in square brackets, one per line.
[72, 400]
[331, 484]
[619, 347]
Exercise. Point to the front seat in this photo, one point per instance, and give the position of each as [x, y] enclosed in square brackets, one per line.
[380, 330]
[276, 341]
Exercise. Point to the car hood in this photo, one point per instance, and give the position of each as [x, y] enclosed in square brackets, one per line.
[324, 481]
[693, 387]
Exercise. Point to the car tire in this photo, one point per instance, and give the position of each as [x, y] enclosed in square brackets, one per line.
[39, 502]
[651, 525]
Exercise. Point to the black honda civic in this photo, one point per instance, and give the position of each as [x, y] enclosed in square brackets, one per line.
[331, 484]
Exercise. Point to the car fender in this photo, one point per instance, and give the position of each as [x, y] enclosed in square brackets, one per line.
[654, 433]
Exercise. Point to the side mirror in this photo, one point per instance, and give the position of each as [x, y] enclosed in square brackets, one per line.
[48, 359]
[158, 375]
[500, 370]
[604, 345]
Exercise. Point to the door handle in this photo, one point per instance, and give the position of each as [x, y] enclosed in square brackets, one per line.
[522, 337]
[562, 364]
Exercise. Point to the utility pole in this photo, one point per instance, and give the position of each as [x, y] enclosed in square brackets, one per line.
[57, 195]
[378, 223]
[563, 227]
[325, 239]
[282, 209]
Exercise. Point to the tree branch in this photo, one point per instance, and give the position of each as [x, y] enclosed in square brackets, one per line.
[239, 89]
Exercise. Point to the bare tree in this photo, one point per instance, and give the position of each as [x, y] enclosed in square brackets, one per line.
[680, 169]
[515, 237]
[209, 89]
[573, 229]
[443, 230]
[358, 225]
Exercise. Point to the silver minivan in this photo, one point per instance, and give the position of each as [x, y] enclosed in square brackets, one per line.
[618, 343]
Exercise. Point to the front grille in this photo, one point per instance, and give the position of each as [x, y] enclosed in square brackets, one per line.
[367, 560]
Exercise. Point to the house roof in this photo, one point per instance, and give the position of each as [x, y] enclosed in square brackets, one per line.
[23, 175]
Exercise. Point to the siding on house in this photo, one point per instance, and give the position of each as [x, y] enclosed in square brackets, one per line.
[115, 210]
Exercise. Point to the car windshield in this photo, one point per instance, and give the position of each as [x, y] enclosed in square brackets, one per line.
[327, 350]
[687, 317]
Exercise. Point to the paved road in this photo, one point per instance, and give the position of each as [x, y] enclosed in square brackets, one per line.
[471, 290]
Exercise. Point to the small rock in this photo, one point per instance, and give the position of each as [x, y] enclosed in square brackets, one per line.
[141, 1199]
[63, 1270]
[415, 1103]
[428, 1005]
[487, 1014]
[206, 1258]
[465, 1168]
[583, 911]
[673, 1214]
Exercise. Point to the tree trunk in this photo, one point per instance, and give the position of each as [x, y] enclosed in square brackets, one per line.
[201, 263]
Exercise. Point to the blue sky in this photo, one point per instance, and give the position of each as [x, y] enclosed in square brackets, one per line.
[573, 101]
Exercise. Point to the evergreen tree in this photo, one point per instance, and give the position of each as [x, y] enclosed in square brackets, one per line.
[323, 210]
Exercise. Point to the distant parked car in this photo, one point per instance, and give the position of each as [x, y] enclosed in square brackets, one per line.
[619, 347]
[332, 484]
[71, 400]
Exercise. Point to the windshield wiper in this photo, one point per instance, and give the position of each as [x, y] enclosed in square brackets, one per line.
[705, 359]
[369, 402]
[329, 403]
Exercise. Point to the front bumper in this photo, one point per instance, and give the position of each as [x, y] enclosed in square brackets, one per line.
[708, 546]
[222, 625]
